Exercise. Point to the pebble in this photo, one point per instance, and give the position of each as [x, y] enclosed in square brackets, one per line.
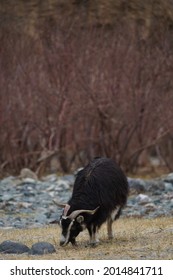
[42, 248]
[28, 202]
[143, 199]
[11, 247]
[39, 248]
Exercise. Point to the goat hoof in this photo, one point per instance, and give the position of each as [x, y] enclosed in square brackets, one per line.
[94, 243]
[110, 237]
[73, 242]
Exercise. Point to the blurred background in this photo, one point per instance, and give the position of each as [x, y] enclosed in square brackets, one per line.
[86, 78]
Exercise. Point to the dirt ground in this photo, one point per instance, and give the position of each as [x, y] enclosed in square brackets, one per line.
[134, 239]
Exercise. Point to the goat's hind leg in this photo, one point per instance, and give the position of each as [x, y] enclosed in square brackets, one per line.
[113, 216]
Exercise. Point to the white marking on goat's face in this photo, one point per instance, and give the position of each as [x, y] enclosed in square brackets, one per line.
[66, 225]
[71, 229]
[62, 239]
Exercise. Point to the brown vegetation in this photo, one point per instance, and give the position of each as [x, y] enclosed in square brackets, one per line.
[152, 241]
[93, 79]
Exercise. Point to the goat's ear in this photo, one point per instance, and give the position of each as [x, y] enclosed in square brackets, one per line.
[80, 219]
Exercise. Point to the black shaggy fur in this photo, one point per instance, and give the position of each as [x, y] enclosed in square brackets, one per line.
[101, 183]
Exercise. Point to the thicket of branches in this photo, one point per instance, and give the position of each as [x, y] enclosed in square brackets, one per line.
[76, 93]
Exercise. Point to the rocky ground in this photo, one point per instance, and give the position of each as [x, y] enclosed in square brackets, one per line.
[28, 202]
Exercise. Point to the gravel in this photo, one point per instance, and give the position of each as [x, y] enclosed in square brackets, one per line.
[28, 202]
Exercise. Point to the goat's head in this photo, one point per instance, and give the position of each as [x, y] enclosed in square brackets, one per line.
[72, 224]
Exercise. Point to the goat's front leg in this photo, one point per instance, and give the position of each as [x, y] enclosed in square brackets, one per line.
[93, 232]
[109, 228]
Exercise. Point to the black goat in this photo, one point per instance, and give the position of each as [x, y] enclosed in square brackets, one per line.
[100, 191]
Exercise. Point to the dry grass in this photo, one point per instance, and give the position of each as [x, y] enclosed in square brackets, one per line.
[134, 239]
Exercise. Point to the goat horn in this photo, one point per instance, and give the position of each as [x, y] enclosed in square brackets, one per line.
[60, 204]
[75, 213]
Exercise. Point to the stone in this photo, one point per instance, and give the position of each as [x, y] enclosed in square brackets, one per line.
[143, 199]
[41, 218]
[2, 223]
[171, 203]
[29, 181]
[11, 247]
[54, 217]
[168, 178]
[136, 185]
[64, 185]
[7, 197]
[50, 178]
[41, 248]
[27, 173]
[168, 187]
[69, 178]
[17, 225]
[155, 185]
[150, 207]
[8, 181]
[24, 205]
